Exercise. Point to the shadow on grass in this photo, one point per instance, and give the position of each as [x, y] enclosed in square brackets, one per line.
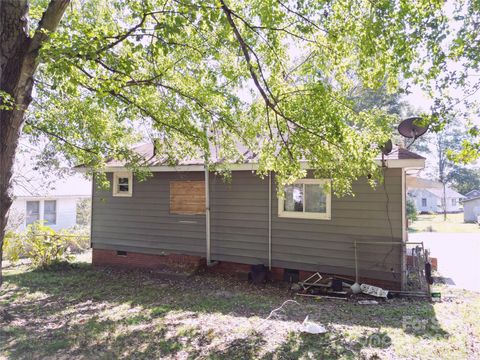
[73, 310]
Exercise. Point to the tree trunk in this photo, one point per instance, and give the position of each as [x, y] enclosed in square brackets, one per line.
[18, 63]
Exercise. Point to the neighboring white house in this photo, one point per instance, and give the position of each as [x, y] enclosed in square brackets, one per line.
[471, 209]
[428, 196]
[55, 204]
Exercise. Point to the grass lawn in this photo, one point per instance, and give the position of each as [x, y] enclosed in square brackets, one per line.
[435, 223]
[80, 312]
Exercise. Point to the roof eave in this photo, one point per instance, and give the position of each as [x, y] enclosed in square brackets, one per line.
[392, 164]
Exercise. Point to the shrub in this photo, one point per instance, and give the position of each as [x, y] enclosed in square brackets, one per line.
[43, 246]
[12, 249]
[77, 238]
[411, 210]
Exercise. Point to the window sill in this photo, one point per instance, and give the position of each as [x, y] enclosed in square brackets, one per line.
[122, 195]
[308, 216]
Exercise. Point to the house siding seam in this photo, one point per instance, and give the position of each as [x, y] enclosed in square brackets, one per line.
[239, 225]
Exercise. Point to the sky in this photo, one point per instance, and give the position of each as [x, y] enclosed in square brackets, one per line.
[30, 181]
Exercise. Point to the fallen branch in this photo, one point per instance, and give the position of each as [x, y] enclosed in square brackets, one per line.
[280, 308]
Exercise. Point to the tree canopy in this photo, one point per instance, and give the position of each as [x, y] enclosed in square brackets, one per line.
[274, 76]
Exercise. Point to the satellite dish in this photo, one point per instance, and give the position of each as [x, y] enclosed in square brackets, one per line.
[387, 147]
[409, 129]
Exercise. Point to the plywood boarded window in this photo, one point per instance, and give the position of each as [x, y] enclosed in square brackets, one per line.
[187, 197]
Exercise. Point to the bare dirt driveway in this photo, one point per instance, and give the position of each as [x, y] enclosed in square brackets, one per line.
[458, 256]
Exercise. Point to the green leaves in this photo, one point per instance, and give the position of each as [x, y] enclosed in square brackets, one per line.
[6, 101]
[275, 77]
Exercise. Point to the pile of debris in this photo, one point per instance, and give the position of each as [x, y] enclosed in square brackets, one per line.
[341, 288]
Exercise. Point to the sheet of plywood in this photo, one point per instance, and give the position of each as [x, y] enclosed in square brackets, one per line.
[187, 197]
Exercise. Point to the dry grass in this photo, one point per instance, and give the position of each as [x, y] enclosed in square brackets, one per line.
[436, 223]
[79, 312]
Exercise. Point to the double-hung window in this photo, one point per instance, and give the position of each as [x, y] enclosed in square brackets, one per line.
[50, 212]
[33, 212]
[307, 199]
[122, 184]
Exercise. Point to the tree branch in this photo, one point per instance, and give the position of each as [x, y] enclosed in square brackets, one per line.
[61, 138]
[246, 49]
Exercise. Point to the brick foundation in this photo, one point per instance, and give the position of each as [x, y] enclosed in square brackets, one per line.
[101, 257]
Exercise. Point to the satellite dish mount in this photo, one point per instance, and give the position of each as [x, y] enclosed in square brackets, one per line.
[410, 129]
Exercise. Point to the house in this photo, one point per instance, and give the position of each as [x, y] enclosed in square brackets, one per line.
[188, 215]
[55, 204]
[428, 196]
[471, 209]
[472, 194]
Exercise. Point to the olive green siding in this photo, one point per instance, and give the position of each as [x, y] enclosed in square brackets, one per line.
[143, 223]
[239, 225]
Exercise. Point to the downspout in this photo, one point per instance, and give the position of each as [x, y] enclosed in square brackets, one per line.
[91, 208]
[270, 220]
[207, 213]
[403, 254]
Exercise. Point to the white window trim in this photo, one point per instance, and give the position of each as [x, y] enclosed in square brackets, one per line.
[308, 215]
[115, 191]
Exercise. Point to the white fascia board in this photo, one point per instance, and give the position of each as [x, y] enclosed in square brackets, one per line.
[179, 168]
[51, 197]
[403, 163]
[393, 164]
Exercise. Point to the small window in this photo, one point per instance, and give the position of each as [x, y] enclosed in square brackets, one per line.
[33, 212]
[50, 212]
[424, 202]
[454, 202]
[187, 197]
[306, 198]
[122, 184]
